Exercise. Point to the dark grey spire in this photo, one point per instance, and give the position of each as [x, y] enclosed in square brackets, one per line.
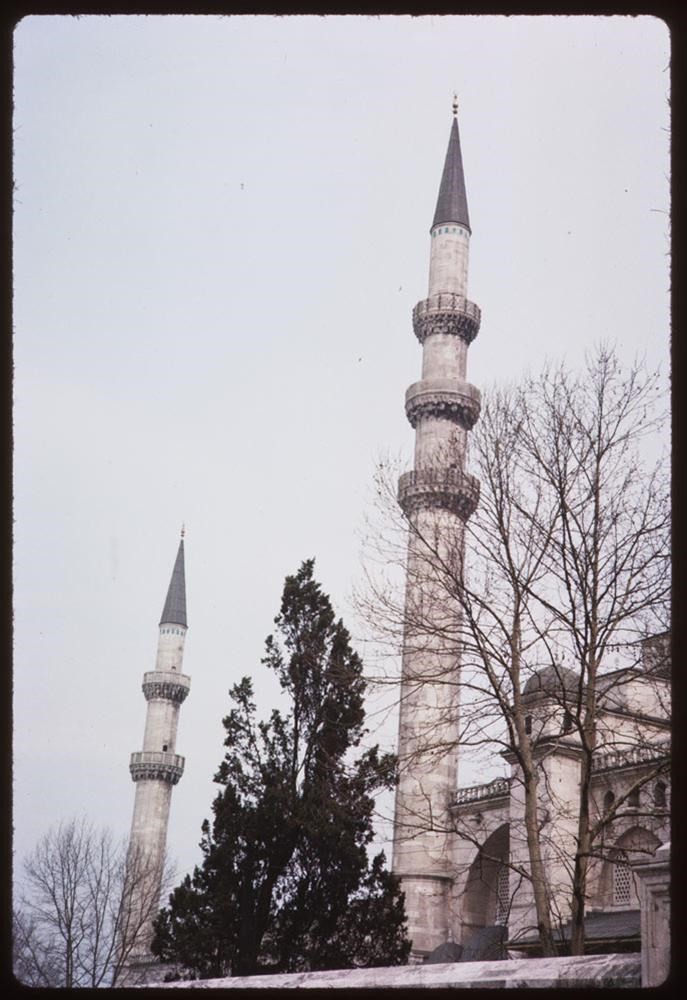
[174, 611]
[452, 203]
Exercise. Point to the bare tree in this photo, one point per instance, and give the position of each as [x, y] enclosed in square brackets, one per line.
[608, 580]
[85, 902]
[567, 557]
[34, 961]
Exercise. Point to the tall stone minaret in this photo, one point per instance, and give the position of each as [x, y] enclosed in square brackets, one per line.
[157, 768]
[437, 497]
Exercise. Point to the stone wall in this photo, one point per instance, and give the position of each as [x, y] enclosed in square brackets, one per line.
[545, 973]
[654, 877]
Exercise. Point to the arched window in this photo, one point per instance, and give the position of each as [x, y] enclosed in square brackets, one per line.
[660, 795]
[528, 724]
[567, 721]
[633, 799]
[609, 799]
[617, 885]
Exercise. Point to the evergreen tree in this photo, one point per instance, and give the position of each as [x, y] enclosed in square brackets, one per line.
[285, 883]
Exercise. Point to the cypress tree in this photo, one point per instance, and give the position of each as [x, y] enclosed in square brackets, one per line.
[285, 882]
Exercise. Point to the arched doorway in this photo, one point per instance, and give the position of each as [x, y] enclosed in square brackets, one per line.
[486, 901]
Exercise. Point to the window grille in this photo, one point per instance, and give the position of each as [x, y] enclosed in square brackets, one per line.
[502, 895]
[622, 881]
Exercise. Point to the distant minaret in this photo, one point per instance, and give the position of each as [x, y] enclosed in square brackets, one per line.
[438, 497]
[158, 767]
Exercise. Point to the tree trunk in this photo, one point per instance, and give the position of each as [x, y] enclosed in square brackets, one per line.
[539, 881]
[579, 886]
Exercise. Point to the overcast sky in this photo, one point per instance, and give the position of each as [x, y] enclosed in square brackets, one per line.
[221, 228]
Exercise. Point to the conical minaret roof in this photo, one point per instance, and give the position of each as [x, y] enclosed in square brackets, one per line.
[452, 203]
[174, 611]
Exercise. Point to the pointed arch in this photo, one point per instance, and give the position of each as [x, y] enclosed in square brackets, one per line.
[486, 900]
[617, 884]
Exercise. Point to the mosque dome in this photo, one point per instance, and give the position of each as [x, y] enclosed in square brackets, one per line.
[553, 681]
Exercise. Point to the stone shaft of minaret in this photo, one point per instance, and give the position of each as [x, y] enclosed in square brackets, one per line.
[438, 497]
[157, 768]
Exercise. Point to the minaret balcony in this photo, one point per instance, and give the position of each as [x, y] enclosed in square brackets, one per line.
[447, 313]
[448, 398]
[166, 684]
[155, 765]
[446, 489]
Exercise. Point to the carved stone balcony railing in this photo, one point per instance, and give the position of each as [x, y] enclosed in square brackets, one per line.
[443, 397]
[153, 765]
[166, 684]
[446, 313]
[495, 789]
[610, 760]
[446, 489]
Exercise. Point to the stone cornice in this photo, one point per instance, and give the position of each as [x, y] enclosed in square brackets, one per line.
[446, 313]
[544, 746]
[424, 876]
[625, 713]
[448, 398]
[446, 489]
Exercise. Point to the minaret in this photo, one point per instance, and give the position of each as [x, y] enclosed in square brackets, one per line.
[157, 768]
[437, 497]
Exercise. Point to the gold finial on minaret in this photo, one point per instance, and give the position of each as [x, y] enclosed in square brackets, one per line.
[183, 529]
[455, 104]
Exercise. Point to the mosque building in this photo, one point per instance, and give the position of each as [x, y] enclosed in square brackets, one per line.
[458, 851]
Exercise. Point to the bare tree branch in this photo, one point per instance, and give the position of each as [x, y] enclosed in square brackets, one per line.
[567, 565]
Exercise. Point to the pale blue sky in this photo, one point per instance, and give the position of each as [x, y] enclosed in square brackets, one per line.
[221, 228]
